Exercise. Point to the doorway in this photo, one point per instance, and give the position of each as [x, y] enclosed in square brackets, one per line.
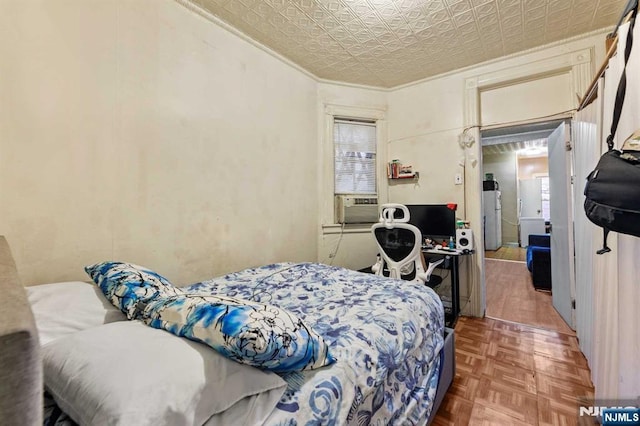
[517, 204]
[519, 92]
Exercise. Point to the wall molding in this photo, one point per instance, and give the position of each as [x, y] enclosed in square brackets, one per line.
[500, 59]
[198, 10]
[194, 7]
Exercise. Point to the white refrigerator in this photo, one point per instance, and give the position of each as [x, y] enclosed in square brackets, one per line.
[492, 219]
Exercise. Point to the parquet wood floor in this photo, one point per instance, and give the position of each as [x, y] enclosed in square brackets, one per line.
[518, 254]
[513, 374]
[511, 296]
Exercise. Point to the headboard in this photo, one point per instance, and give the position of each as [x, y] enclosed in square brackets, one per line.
[20, 362]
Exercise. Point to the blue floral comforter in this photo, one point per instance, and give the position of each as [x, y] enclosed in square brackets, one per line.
[385, 333]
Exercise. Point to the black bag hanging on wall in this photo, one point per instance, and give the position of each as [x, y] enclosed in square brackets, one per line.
[613, 187]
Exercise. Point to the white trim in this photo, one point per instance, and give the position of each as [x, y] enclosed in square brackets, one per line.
[554, 65]
[354, 85]
[370, 123]
[561, 116]
[504, 58]
[579, 64]
[348, 229]
[356, 112]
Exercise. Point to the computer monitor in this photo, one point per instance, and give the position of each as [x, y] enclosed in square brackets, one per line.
[435, 221]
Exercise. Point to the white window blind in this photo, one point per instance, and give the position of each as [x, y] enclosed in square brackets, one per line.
[355, 157]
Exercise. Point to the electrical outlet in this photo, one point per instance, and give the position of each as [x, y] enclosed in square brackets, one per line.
[458, 179]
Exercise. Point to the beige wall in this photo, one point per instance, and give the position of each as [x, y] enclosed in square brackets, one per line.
[351, 246]
[424, 123]
[530, 167]
[433, 113]
[533, 98]
[425, 119]
[504, 168]
[136, 130]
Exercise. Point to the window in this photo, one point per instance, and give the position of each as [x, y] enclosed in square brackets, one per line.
[354, 157]
[353, 160]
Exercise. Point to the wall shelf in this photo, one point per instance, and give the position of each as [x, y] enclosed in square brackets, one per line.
[397, 171]
[414, 176]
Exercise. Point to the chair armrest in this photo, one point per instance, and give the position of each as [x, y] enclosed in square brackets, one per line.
[541, 268]
[540, 254]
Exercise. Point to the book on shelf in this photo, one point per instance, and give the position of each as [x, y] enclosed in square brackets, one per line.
[405, 172]
[396, 170]
[393, 169]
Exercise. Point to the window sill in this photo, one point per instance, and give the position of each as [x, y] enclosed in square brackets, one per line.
[355, 228]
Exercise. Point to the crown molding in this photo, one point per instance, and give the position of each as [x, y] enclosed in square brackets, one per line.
[507, 57]
[192, 6]
[195, 8]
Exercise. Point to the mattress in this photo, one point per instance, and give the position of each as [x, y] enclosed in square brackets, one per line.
[386, 335]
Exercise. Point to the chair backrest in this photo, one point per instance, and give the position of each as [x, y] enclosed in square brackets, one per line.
[539, 240]
[399, 242]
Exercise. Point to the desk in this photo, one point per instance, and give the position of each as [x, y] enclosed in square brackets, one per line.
[451, 314]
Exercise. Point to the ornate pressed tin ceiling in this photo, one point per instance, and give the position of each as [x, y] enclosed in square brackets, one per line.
[387, 43]
[524, 148]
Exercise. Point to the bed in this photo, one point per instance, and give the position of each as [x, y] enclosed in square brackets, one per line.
[394, 357]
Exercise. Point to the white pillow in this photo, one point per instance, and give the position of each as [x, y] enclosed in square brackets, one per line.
[64, 308]
[127, 373]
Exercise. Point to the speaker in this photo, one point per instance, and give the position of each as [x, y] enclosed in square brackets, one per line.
[464, 239]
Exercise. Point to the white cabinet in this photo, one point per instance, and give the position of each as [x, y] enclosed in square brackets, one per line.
[530, 225]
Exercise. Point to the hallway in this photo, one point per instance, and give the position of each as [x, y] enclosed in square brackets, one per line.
[511, 297]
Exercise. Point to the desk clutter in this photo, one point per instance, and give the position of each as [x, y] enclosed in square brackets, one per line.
[461, 245]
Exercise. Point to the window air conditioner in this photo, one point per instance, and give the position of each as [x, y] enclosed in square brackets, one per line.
[356, 208]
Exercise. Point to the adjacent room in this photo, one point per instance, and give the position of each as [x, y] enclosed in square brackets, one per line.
[272, 212]
[517, 252]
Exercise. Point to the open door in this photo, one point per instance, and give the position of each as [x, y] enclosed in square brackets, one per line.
[530, 202]
[562, 250]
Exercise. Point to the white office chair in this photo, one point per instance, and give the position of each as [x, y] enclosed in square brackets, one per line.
[400, 246]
